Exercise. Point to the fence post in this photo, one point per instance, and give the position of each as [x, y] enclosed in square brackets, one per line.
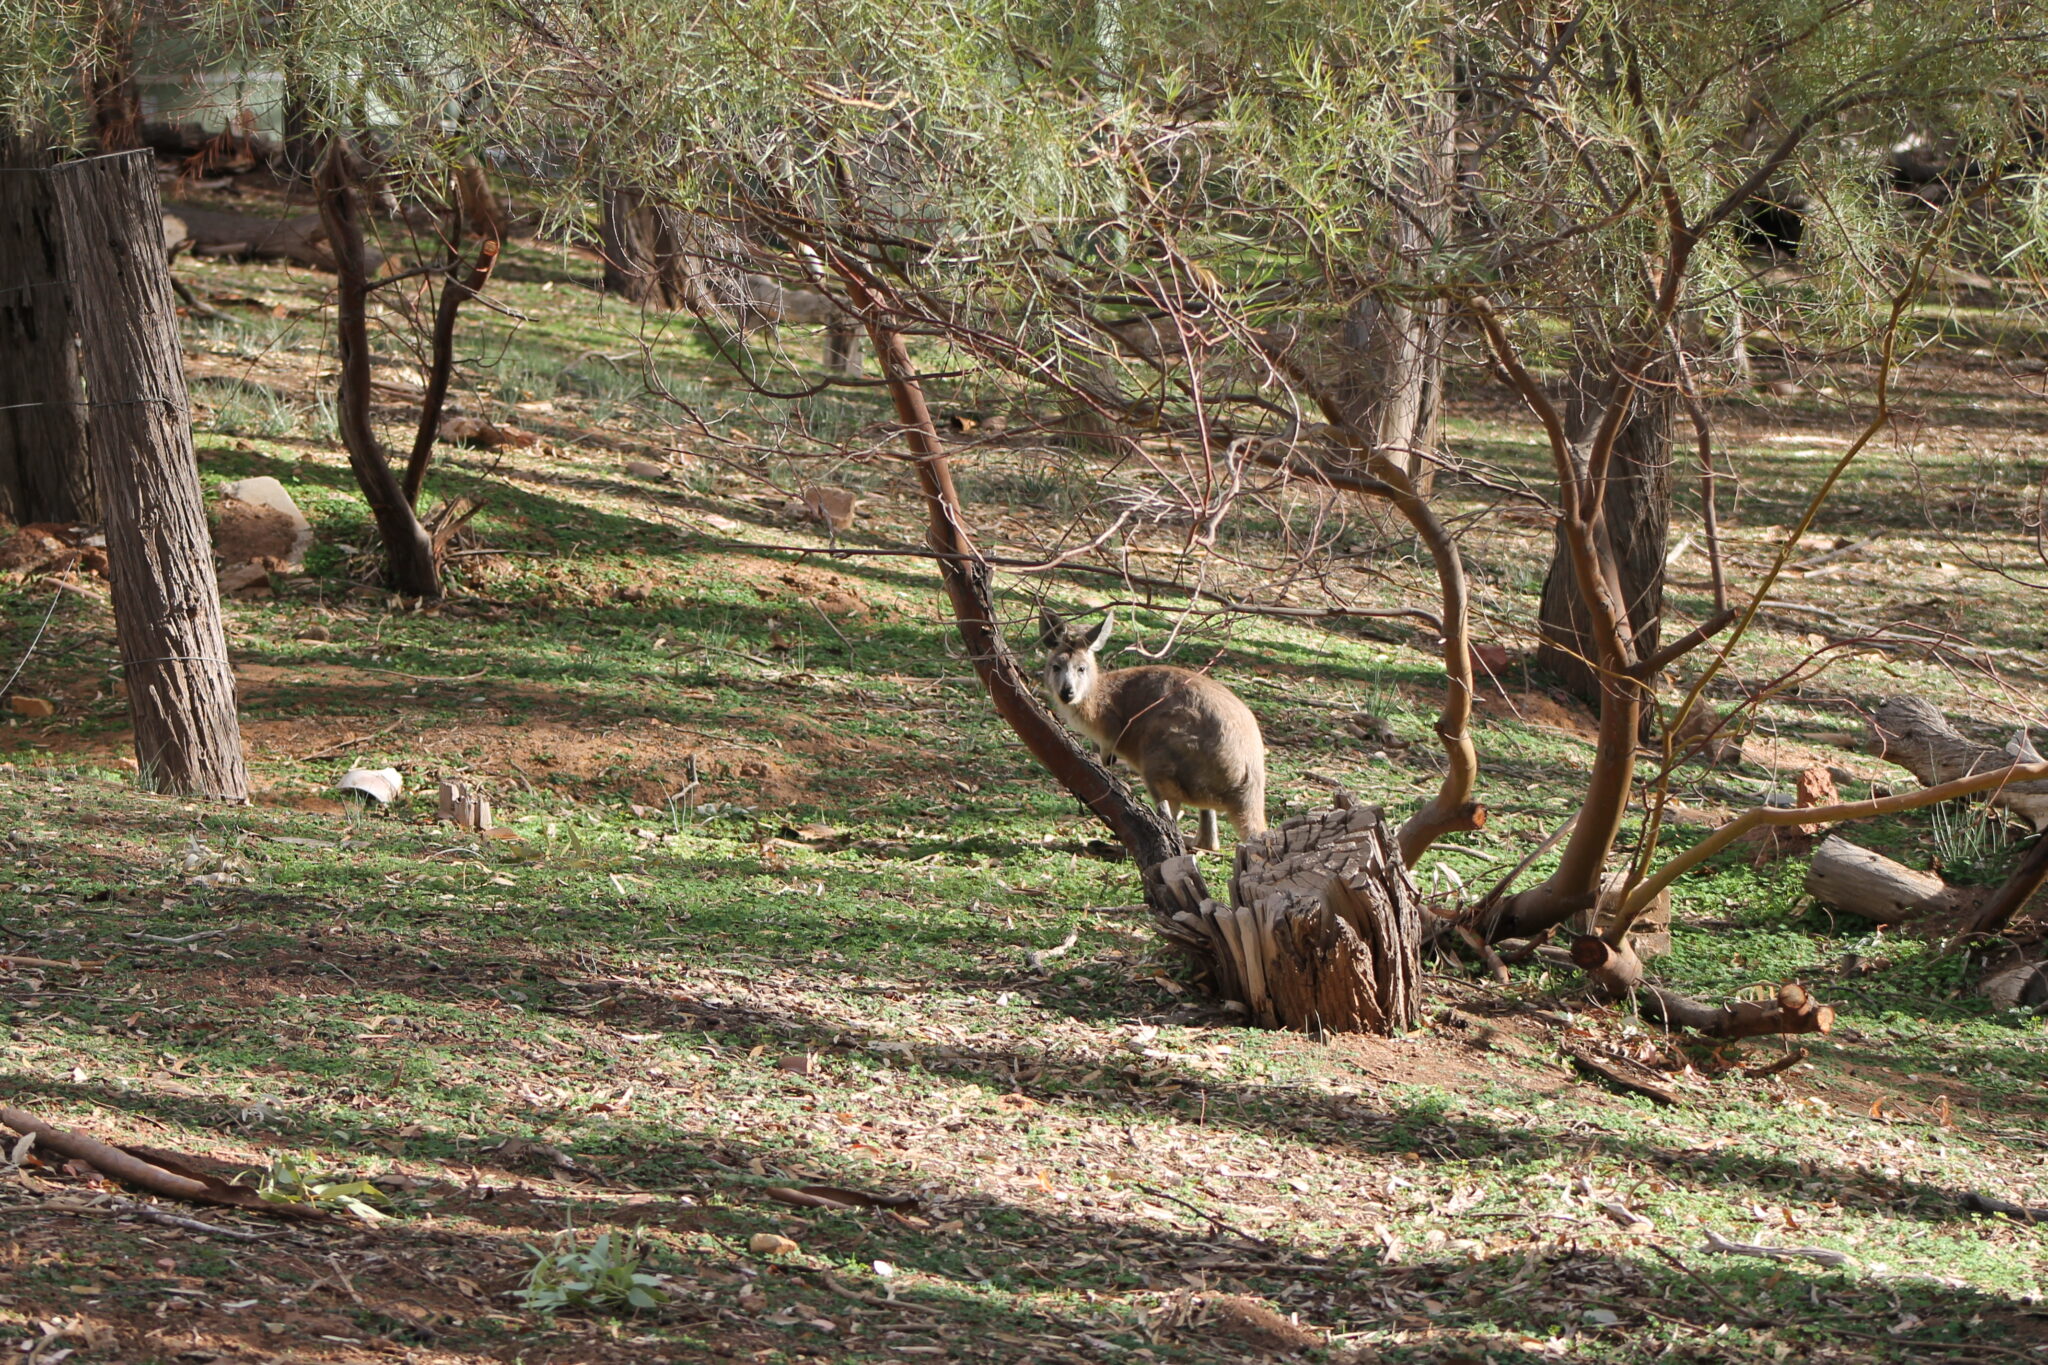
[181, 689]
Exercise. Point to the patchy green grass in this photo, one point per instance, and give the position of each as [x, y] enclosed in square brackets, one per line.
[645, 1011]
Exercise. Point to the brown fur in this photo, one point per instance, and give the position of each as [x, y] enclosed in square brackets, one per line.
[1188, 736]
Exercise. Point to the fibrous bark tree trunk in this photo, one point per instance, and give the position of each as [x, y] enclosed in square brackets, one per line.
[181, 688]
[1390, 382]
[108, 73]
[44, 472]
[662, 256]
[1635, 518]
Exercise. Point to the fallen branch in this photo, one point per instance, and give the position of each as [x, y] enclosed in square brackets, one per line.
[128, 1208]
[2012, 895]
[1818, 1255]
[16, 960]
[1615, 1076]
[1984, 1203]
[1617, 974]
[1037, 960]
[1784, 1063]
[129, 1169]
[1646, 890]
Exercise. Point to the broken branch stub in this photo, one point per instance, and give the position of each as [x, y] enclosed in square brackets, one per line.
[1324, 929]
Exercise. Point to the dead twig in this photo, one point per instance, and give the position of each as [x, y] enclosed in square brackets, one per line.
[1818, 1255]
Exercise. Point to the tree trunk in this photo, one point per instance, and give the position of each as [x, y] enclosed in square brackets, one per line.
[410, 560]
[1171, 879]
[482, 212]
[44, 472]
[299, 157]
[842, 346]
[1915, 735]
[1391, 382]
[658, 255]
[181, 688]
[1636, 516]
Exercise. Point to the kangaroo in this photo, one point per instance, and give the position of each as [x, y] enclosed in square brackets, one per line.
[1191, 740]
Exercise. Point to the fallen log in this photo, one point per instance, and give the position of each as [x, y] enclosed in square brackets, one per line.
[1974, 1202]
[1853, 879]
[140, 1173]
[1915, 735]
[251, 236]
[1617, 973]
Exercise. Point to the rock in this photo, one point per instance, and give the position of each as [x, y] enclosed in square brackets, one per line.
[487, 435]
[1490, 661]
[35, 708]
[645, 469]
[832, 506]
[246, 580]
[317, 633]
[772, 1244]
[379, 785]
[269, 512]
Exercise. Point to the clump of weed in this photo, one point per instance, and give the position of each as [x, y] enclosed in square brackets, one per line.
[292, 1180]
[603, 1275]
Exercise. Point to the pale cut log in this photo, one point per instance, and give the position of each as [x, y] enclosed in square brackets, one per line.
[1915, 735]
[1851, 878]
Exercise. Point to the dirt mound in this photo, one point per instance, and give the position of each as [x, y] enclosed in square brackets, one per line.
[43, 547]
[249, 533]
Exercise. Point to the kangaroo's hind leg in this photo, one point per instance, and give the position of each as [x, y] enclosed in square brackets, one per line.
[1207, 840]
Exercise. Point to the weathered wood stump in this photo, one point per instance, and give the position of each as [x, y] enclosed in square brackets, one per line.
[1324, 928]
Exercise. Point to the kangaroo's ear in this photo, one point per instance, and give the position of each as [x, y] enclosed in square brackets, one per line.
[1050, 631]
[1100, 637]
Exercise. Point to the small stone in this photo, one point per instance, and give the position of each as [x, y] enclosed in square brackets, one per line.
[772, 1244]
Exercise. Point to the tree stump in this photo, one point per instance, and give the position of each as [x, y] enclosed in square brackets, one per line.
[1324, 928]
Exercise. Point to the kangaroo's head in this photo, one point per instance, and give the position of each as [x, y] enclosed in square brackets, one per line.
[1070, 665]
